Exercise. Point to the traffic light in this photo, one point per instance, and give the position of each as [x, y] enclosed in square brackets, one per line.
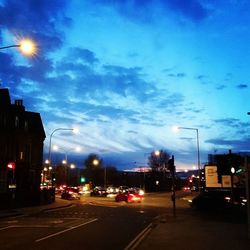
[82, 179]
[11, 172]
[171, 166]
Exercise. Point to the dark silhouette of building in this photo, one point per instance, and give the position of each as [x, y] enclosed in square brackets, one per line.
[21, 143]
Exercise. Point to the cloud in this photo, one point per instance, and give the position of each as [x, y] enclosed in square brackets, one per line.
[177, 75]
[191, 9]
[232, 122]
[35, 19]
[235, 145]
[146, 10]
[242, 86]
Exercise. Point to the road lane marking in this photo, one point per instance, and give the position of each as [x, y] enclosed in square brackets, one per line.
[3, 228]
[22, 226]
[66, 230]
[138, 239]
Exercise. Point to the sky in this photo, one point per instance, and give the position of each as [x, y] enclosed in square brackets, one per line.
[125, 72]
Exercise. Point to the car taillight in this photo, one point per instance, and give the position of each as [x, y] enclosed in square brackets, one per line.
[70, 192]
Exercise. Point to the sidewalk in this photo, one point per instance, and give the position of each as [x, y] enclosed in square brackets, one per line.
[59, 203]
[192, 229]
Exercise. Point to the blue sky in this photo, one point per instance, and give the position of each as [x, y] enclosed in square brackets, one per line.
[124, 72]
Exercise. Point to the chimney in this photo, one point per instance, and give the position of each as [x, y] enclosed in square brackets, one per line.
[19, 104]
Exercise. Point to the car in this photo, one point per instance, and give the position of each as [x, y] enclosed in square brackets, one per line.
[71, 193]
[129, 196]
[211, 199]
[186, 188]
[112, 191]
[217, 199]
[123, 189]
[98, 191]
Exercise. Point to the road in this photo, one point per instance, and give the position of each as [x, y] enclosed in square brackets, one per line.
[91, 223]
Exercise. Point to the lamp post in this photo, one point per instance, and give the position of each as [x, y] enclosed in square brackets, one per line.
[247, 181]
[50, 138]
[66, 166]
[66, 152]
[26, 46]
[198, 147]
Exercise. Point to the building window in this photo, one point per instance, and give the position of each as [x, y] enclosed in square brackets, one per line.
[17, 122]
[21, 155]
[26, 125]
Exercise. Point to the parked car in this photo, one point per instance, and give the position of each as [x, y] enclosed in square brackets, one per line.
[129, 196]
[98, 191]
[71, 194]
[211, 199]
[215, 199]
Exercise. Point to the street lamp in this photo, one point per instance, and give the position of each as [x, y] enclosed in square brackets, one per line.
[176, 129]
[50, 138]
[66, 151]
[26, 46]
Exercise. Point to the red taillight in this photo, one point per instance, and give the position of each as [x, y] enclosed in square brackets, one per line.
[11, 165]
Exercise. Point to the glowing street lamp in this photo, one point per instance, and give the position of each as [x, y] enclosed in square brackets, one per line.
[26, 46]
[66, 151]
[95, 162]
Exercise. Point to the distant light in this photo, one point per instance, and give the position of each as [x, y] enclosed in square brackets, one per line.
[157, 152]
[232, 170]
[95, 162]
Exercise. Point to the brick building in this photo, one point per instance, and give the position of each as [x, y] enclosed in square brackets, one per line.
[21, 142]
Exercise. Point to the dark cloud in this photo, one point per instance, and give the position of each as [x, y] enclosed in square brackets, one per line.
[146, 9]
[232, 122]
[84, 55]
[10, 74]
[221, 87]
[235, 145]
[192, 9]
[35, 19]
[242, 86]
[177, 75]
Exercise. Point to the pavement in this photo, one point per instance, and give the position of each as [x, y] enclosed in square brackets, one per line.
[196, 230]
[188, 229]
[59, 203]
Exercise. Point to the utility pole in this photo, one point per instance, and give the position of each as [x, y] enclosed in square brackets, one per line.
[171, 167]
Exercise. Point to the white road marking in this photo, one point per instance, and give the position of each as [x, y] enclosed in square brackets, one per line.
[137, 240]
[66, 230]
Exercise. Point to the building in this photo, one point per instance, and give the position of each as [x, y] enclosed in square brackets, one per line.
[226, 170]
[21, 144]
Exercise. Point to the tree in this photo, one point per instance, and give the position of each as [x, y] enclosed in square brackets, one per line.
[159, 161]
[93, 170]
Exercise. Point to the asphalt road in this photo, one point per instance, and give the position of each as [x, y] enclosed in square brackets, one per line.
[91, 223]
